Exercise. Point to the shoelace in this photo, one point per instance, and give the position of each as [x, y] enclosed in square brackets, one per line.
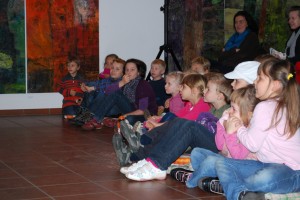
[216, 187]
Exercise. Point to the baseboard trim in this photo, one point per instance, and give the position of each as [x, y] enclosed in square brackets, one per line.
[24, 112]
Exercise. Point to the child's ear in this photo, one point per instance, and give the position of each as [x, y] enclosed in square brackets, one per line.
[221, 96]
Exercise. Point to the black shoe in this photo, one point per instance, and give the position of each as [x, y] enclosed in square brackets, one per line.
[211, 184]
[180, 174]
[246, 195]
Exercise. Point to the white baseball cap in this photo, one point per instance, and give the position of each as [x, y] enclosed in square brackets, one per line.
[245, 70]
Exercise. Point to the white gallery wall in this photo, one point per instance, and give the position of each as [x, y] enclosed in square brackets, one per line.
[130, 28]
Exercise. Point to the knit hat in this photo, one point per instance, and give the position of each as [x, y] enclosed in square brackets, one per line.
[245, 70]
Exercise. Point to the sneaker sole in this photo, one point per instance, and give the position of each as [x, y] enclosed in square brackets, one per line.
[133, 143]
[160, 178]
[117, 144]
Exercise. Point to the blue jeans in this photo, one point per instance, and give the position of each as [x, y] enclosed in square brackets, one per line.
[71, 110]
[111, 104]
[250, 175]
[203, 162]
[179, 136]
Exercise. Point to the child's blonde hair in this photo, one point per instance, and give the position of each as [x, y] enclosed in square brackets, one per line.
[202, 61]
[177, 75]
[246, 100]
[288, 97]
[119, 60]
[160, 63]
[223, 84]
[195, 81]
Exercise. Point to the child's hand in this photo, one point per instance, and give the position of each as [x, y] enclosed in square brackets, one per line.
[232, 125]
[83, 87]
[150, 124]
[167, 103]
[72, 92]
[124, 81]
[155, 118]
[89, 89]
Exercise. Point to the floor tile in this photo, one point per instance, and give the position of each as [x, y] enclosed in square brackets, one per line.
[45, 157]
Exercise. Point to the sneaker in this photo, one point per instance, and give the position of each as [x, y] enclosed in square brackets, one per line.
[129, 135]
[121, 149]
[133, 167]
[110, 122]
[83, 117]
[246, 195]
[146, 173]
[91, 125]
[138, 128]
[180, 174]
[211, 184]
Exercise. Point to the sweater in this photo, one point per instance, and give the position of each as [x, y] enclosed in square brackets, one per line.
[271, 145]
[191, 112]
[67, 84]
[176, 104]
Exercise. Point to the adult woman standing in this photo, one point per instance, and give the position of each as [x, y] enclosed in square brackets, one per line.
[242, 46]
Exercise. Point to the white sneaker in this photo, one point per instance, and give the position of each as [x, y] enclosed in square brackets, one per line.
[133, 167]
[146, 173]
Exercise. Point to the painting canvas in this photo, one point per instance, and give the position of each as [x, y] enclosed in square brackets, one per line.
[202, 27]
[56, 31]
[12, 47]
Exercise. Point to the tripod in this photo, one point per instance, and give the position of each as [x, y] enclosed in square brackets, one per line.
[165, 47]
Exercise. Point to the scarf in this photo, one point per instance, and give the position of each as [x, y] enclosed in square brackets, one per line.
[291, 44]
[236, 40]
[129, 89]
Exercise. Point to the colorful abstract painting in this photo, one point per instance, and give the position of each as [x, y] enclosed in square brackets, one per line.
[12, 47]
[56, 31]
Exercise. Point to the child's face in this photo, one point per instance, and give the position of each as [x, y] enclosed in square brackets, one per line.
[186, 92]
[239, 83]
[172, 87]
[156, 71]
[73, 68]
[198, 68]
[108, 62]
[131, 71]
[263, 87]
[211, 94]
[234, 111]
[116, 70]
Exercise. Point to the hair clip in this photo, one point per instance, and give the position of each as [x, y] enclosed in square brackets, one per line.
[290, 76]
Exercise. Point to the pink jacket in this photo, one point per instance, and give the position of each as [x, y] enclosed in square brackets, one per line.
[269, 144]
[229, 144]
[176, 104]
[191, 112]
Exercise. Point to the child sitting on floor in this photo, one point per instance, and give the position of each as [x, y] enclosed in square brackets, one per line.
[157, 83]
[200, 65]
[70, 88]
[109, 59]
[242, 103]
[219, 97]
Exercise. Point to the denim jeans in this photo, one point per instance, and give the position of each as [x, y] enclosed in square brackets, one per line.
[71, 110]
[154, 137]
[203, 162]
[180, 135]
[111, 104]
[251, 175]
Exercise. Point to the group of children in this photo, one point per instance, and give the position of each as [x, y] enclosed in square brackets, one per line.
[244, 143]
